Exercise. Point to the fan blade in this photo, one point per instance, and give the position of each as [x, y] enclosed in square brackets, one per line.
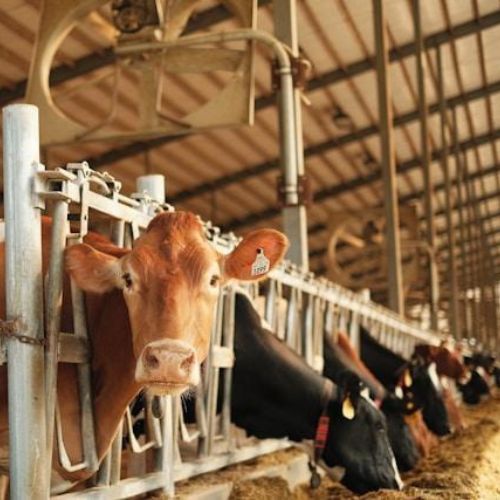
[196, 60]
[351, 239]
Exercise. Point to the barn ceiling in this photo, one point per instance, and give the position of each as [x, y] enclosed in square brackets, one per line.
[229, 175]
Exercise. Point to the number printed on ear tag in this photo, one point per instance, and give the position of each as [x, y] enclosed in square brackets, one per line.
[261, 264]
[348, 409]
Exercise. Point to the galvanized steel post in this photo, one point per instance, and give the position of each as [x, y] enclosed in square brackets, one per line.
[395, 278]
[24, 301]
[426, 166]
[453, 311]
[291, 147]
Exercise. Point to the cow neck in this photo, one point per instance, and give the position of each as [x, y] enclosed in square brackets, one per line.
[113, 364]
[276, 392]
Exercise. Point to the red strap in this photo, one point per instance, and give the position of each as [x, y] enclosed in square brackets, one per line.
[321, 434]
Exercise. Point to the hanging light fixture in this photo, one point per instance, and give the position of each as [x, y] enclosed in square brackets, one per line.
[341, 119]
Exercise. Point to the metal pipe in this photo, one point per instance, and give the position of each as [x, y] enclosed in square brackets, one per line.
[294, 216]
[453, 313]
[53, 307]
[426, 165]
[389, 176]
[24, 303]
[291, 144]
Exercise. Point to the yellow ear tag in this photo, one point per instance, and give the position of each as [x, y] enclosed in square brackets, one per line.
[348, 409]
[407, 378]
[409, 405]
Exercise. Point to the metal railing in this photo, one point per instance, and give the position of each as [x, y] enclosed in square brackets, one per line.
[299, 307]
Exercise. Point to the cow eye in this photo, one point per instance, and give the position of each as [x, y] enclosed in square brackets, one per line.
[127, 280]
[214, 280]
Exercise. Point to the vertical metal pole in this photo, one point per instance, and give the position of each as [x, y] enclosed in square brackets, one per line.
[291, 147]
[24, 303]
[165, 456]
[389, 177]
[453, 311]
[466, 278]
[153, 185]
[53, 317]
[426, 166]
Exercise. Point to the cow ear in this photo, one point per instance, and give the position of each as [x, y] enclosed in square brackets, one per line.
[348, 410]
[255, 256]
[92, 270]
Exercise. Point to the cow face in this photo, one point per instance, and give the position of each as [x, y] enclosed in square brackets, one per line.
[170, 282]
[425, 389]
[448, 362]
[358, 441]
[400, 437]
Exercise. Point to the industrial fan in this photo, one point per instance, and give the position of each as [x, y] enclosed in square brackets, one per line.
[139, 71]
[357, 249]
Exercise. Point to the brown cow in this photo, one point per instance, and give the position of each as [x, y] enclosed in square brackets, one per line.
[448, 363]
[149, 315]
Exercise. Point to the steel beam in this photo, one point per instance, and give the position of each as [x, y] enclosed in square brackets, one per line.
[214, 15]
[388, 157]
[273, 165]
[358, 182]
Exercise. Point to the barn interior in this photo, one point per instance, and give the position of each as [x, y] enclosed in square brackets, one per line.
[382, 168]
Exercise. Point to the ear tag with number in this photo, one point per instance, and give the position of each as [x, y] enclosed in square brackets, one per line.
[261, 264]
[407, 378]
[399, 392]
[348, 409]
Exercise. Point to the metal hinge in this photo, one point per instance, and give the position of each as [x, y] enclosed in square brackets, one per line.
[304, 192]
[301, 72]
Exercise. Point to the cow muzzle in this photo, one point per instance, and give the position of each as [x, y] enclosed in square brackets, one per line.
[168, 367]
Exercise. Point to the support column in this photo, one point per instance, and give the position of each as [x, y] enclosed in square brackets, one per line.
[389, 177]
[291, 146]
[454, 309]
[24, 304]
[466, 274]
[426, 167]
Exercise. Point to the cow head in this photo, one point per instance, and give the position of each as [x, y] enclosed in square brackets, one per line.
[426, 391]
[358, 440]
[170, 282]
[447, 361]
[400, 437]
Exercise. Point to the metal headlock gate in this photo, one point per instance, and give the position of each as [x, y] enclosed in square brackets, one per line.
[299, 307]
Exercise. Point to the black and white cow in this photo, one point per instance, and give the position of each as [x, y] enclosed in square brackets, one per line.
[336, 362]
[424, 385]
[275, 394]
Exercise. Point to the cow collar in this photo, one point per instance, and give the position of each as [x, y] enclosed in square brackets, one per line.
[321, 435]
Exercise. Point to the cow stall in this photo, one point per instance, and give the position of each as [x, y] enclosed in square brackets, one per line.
[299, 307]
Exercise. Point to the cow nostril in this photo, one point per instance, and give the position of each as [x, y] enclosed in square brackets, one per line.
[152, 361]
[188, 362]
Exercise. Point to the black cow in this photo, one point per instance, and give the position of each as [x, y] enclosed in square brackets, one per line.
[476, 386]
[387, 366]
[275, 394]
[402, 443]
